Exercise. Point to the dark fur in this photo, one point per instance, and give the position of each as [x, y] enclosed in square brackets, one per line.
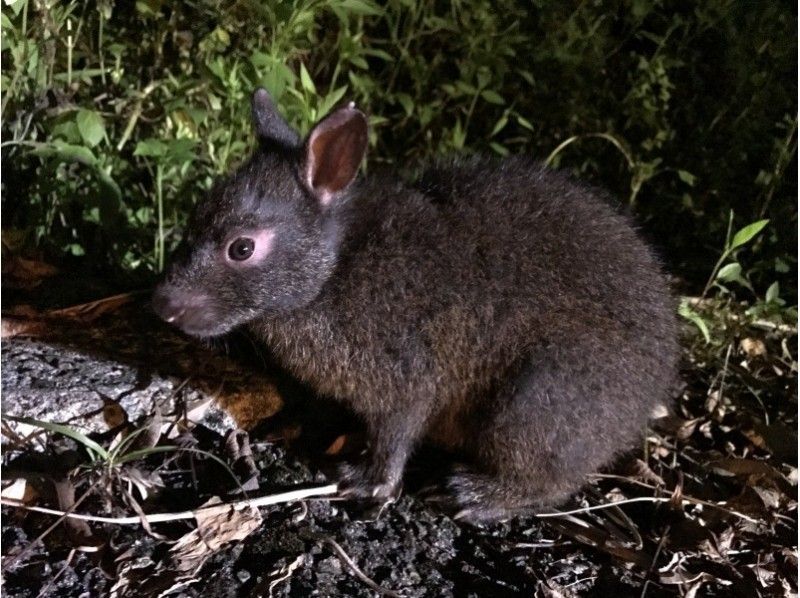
[497, 308]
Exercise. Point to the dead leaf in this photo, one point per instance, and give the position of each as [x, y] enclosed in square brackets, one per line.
[26, 321]
[641, 471]
[337, 445]
[753, 347]
[78, 530]
[672, 425]
[754, 472]
[13, 327]
[21, 273]
[589, 534]
[19, 490]
[550, 589]
[779, 440]
[237, 443]
[88, 312]
[282, 574]
[152, 432]
[250, 403]
[113, 413]
[178, 569]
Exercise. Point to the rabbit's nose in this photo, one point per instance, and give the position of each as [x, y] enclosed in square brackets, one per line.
[169, 306]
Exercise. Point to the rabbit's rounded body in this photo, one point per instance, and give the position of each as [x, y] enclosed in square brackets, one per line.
[493, 290]
[493, 306]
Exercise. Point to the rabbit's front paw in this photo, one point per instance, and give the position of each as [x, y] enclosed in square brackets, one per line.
[473, 498]
[359, 481]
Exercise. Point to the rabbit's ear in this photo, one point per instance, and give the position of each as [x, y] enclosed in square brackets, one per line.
[270, 126]
[334, 151]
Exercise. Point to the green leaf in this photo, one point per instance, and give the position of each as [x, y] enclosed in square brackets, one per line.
[379, 54]
[499, 126]
[180, 151]
[695, 318]
[95, 450]
[305, 80]
[492, 97]
[75, 249]
[16, 5]
[331, 100]
[406, 102]
[499, 149]
[524, 122]
[91, 127]
[747, 233]
[730, 272]
[361, 7]
[773, 292]
[150, 147]
[66, 151]
[687, 177]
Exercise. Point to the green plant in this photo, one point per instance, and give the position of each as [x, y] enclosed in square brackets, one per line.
[117, 116]
[728, 269]
[110, 460]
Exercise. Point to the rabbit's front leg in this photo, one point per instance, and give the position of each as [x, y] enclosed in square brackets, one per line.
[391, 436]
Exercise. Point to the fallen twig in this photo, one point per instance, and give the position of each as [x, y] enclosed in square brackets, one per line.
[357, 571]
[62, 515]
[684, 500]
[260, 501]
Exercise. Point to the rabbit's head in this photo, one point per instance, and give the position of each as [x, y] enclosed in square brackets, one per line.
[264, 240]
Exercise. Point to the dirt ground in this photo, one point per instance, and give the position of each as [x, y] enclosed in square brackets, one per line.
[707, 504]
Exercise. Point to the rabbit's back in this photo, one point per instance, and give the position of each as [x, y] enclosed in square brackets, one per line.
[444, 287]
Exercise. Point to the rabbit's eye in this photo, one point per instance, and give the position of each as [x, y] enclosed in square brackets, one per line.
[241, 249]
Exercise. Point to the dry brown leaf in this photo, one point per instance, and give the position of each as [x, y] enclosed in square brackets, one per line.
[237, 443]
[215, 528]
[25, 321]
[672, 425]
[337, 445]
[251, 403]
[587, 533]
[755, 473]
[753, 347]
[113, 413]
[87, 312]
[152, 432]
[777, 439]
[78, 531]
[19, 490]
[276, 577]
[21, 273]
[550, 589]
[641, 471]
[12, 327]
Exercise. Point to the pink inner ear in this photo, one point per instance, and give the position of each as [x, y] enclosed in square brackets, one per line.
[335, 149]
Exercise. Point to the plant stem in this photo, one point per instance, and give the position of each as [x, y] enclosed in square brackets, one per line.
[69, 52]
[160, 203]
[725, 253]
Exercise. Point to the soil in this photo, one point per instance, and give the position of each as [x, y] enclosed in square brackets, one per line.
[109, 370]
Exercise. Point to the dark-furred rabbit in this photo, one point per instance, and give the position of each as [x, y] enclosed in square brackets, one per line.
[494, 307]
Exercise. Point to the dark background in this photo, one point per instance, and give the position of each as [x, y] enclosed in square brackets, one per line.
[117, 116]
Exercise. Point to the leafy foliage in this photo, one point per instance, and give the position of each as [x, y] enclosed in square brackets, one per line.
[117, 116]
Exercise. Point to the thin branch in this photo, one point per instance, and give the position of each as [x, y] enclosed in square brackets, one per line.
[685, 500]
[357, 571]
[261, 501]
[62, 515]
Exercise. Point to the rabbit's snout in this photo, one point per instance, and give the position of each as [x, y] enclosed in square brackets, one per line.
[185, 309]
